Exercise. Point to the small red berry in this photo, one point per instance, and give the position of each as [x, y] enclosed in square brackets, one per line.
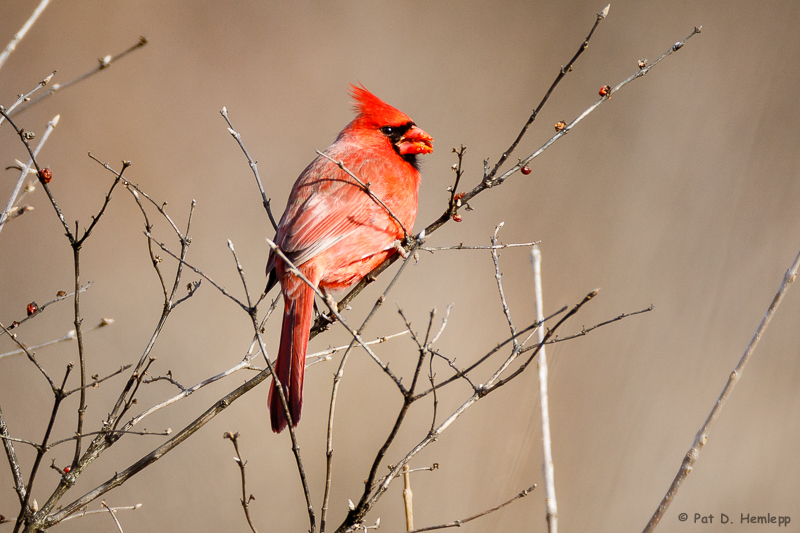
[605, 90]
[45, 175]
[32, 308]
[67, 469]
[526, 170]
[457, 218]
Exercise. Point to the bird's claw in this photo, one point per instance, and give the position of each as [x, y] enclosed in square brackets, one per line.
[400, 250]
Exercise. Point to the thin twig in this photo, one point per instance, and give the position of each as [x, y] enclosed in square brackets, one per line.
[27, 168]
[70, 336]
[58, 298]
[17, 212]
[102, 64]
[245, 499]
[24, 137]
[461, 246]
[111, 511]
[31, 356]
[586, 330]
[462, 374]
[21, 33]
[25, 98]
[96, 380]
[13, 462]
[459, 523]
[98, 511]
[561, 73]
[199, 272]
[253, 166]
[562, 132]
[499, 278]
[325, 355]
[702, 436]
[455, 201]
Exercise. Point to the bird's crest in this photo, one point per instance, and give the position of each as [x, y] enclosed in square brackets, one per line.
[373, 110]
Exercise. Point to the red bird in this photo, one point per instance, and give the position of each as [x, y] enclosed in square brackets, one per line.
[335, 232]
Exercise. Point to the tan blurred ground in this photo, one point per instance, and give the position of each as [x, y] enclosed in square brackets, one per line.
[681, 192]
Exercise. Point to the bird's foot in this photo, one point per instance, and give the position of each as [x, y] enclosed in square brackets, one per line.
[398, 245]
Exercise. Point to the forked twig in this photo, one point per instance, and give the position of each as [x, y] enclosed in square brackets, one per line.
[114, 516]
[245, 499]
[24, 171]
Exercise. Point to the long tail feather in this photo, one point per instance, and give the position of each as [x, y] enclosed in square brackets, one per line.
[290, 366]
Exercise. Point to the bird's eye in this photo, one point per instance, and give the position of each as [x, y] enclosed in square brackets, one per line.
[387, 130]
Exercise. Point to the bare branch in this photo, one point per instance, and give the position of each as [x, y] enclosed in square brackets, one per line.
[31, 356]
[199, 272]
[459, 523]
[21, 33]
[702, 436]
[499, 278]
[96, 380]
[59, 297]
[325, 355]
[121, 477]
[561, 73]
[586, 330]
[253, 167]
[102, 64]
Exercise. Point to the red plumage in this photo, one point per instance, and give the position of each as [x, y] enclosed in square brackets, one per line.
[335, 233]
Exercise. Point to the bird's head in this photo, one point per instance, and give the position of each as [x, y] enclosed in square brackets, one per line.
[377, 118]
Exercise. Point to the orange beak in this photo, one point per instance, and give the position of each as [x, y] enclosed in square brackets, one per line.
[415, 141]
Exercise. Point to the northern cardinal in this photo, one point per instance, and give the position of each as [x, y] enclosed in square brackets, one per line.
[335, 232]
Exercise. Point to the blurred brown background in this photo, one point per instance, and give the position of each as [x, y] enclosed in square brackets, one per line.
[681, 192]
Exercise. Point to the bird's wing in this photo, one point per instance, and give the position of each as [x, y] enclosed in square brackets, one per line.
[333, 207]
